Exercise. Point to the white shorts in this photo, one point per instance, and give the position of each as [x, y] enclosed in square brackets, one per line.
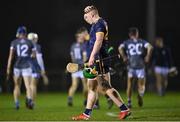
[78, 74]
[138, 73]
[22, 72]
[161, 70]
[36, 75]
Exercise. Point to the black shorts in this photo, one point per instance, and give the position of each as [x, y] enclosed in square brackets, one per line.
[102, 67]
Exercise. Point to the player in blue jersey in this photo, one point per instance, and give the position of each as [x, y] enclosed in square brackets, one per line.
[78, 55]
[135, 52]
[85, 35]
[23, 51]
[38, 69]
[98, 46]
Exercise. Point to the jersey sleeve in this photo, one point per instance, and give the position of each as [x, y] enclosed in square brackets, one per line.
[146, 44]
[38, 49]
[122, 45]
[13, 45]
[100, 28]
[71, 50]
[40, 61]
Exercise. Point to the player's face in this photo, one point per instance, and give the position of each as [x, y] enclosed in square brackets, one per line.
[159, 43]
[85, 35]
[21, 36]
[80, 38]
[134, 36]
[88, 17]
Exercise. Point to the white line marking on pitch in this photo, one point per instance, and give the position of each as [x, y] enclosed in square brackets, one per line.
[112, 114]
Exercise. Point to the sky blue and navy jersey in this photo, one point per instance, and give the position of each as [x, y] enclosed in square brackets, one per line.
[76, 52]
[35, 66]
[23, 49]
[38, 48]
[99, 27]
[135, 51]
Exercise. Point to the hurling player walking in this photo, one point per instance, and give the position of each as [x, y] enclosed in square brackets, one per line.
[98, 46]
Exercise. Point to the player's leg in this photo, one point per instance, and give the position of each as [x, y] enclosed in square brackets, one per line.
[27, 77]
[159, 83]
[72, 90]
[164, 83]
[91, 99]
[129, 91]
[141, 90]
[92, 93]
[109, 101]
[85, 89]
[165, 72]
[34, 80]
[113, 94]
[17, 87]
[141, 85]
[33, 86]
[129, 86]
[105, 87]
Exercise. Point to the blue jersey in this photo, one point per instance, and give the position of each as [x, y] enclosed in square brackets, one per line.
[35, 66]
[135, 50]
[76, 52]
[23, 50]
[99, 26]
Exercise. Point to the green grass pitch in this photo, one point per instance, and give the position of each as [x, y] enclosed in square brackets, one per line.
[53, 106]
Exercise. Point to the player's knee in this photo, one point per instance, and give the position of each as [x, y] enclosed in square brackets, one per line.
[92, 89]
[141, 88]
[16, 87]
[105, 86]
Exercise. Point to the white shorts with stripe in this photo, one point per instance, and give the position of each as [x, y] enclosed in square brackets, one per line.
[161, 70]
[22, 72]
[138, 73]
[78, 74]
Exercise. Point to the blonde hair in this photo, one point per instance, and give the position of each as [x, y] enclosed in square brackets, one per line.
[90, 8]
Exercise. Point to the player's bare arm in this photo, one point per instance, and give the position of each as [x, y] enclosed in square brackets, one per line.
[84, 56]
[97, 46]
[149, 53]
[122, 53]
[11, 55]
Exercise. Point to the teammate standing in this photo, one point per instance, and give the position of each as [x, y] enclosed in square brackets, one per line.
[98, 46]
[79, 56]
[162, 61]
[38, 69]
[23, 50]
[133, 52]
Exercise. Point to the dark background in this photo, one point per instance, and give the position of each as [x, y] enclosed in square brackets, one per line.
[56, 21]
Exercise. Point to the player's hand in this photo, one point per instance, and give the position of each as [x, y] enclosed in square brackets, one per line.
[147, 59]
[125, 59]
[91, 61]
[46, 80]
[43, 72]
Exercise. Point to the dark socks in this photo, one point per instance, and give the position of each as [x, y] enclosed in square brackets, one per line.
[88, 112]
[123, 107]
